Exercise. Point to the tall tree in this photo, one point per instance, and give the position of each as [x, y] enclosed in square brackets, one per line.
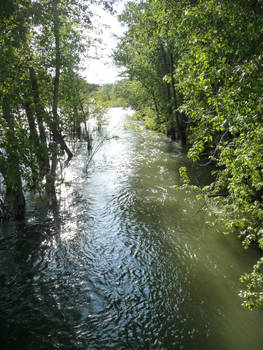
[147, 54]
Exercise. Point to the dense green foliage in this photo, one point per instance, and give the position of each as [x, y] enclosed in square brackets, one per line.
[122, 93]
[43, 99]
[195, 69]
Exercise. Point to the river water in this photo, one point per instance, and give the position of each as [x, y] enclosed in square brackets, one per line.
[126, 261]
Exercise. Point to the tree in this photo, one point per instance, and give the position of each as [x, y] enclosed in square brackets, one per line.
[147, 54]
[40, 41]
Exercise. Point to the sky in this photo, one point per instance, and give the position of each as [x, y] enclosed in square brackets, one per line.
[102, 70]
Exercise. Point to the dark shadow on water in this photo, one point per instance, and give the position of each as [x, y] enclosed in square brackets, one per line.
[30, 317]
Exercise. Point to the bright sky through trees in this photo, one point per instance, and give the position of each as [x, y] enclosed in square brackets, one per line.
[101, 70]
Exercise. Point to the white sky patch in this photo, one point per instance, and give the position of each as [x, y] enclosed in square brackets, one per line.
[101, 70]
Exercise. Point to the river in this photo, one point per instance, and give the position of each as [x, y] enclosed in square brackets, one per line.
[126, 261]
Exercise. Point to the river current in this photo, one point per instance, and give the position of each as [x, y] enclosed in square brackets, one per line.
[126, 261]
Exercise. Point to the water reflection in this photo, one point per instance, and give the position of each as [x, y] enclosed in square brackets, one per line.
[126, 262]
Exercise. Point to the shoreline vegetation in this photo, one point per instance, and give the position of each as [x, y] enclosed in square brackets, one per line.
[192, 70]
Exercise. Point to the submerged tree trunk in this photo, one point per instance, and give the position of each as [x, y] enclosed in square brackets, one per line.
[14, 199]
[35, 143]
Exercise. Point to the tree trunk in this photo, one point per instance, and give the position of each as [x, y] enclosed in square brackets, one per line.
[40, 116]
[40, 113]
[171, 128]
[33, 135]
[179, 118]
[35, 143]
[15, 200]
[155, 106]
[58, 138]
[51, 178]
[14, 197]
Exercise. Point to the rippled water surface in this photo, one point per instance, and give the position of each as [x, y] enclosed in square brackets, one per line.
[126, 262]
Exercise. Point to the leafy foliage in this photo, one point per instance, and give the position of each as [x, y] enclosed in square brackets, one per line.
[42, 96]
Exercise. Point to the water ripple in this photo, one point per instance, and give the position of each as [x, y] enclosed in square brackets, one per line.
[127, 262]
